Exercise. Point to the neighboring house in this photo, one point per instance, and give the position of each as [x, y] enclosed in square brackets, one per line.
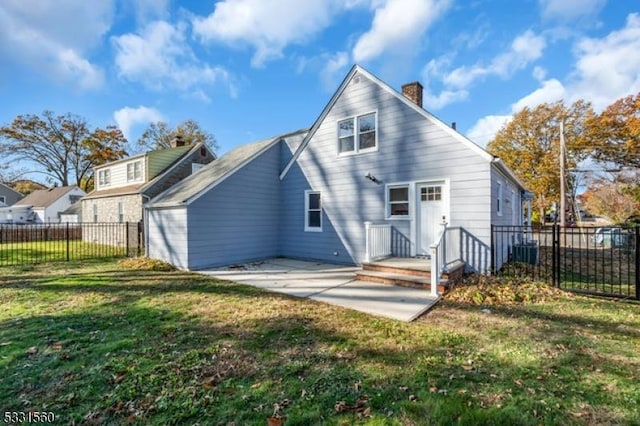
[373, 155]
[8, 196]
[47, 204]
[122, 186]
[73, 214]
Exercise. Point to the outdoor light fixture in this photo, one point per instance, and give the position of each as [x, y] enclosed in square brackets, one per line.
[372, 178]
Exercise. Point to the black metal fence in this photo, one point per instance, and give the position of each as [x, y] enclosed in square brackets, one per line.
[37, 243]
[601, 261]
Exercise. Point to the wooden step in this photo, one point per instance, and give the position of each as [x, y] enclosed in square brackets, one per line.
[404, 280]
[424, 271]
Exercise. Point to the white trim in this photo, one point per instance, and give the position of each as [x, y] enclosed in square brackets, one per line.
[500, 199]
[446, 200]
[387, 202]
[308, 228]
[514, 213]
[133, 164]
[104, 178]
[356, 134]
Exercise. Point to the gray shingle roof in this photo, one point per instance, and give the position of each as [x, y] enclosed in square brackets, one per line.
[209, 174]
[75, 208]
[44, 197]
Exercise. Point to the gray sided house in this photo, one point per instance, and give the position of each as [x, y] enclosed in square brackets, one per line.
[8, 196]
[123, 186]
[373, 161]
[45, 205]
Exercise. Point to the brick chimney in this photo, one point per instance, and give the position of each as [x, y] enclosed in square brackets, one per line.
[413, 92]
[177, 141]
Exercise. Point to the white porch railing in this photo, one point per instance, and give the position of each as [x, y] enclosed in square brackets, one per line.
[377, 241]
[438, 258]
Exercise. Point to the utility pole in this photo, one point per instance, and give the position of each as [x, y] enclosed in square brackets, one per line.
[563, 196]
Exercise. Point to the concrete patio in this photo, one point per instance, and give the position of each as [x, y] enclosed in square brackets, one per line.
[333, 284]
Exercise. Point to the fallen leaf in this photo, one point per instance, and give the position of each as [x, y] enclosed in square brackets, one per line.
[433, 389]
[366, 412]
[412, 398]
[274, 421]
[32, 350]
[467, 367]
[57, 346]
[303, 393]
[403, 388]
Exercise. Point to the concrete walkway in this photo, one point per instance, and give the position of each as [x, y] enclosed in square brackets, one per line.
[333, 284]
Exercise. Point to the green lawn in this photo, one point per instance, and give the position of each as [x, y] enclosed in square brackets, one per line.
[97, 343]
[28, 253]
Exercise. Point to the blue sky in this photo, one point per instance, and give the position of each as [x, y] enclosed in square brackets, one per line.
[248, 69]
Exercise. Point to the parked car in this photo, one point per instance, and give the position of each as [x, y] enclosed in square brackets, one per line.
[610, 237]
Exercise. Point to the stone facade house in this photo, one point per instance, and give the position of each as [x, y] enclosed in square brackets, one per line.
[123, 186]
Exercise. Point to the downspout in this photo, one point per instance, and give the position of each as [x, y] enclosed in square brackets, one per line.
[145, 224]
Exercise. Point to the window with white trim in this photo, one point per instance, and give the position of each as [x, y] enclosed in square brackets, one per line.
[3, 200]
[95, 213]
[312, 211]
[120, 212]
[357, 134]
[499, 200]
[134, 171]
[104, 177]
[398, 201]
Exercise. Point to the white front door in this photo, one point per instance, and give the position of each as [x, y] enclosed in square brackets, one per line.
[431, 209]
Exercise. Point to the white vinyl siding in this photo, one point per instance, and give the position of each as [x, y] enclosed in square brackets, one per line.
[358, 134]
[312, 211]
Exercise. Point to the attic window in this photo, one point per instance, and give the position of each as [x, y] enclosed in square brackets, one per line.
[203, 152]
[134, 171]
[104, 177]
[357, 134]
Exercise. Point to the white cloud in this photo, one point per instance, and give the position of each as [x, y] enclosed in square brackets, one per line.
[435, 70]
[52, 36]
[539, 73]
[607, 68]
[151, 10]
[398, 25]
[524, 49]
[159, 57]
[569, 10]
[486, 128]
[266, 25]
[334, 66]
[126, 118]
[551, 91]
